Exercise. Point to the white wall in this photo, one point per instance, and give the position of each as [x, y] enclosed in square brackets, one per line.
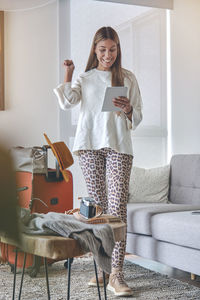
[185, 76]
[30, 75]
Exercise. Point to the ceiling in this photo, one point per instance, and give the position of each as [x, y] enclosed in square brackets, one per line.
[152, 3]
[11, 5]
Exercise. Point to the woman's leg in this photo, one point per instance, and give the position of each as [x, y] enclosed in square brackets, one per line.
[118, 173]
[92, 163]
[118, 166]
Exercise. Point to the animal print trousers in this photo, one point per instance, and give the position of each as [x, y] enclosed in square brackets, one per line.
[107, 175]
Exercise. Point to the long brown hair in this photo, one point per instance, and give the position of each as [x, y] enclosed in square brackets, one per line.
[105, 33]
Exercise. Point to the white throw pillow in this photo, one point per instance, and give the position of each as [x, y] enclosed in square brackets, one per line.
[149, 185]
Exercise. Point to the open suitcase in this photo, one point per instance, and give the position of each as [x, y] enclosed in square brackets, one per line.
[41, 193]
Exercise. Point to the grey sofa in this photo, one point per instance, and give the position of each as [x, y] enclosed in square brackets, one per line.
[168, 232]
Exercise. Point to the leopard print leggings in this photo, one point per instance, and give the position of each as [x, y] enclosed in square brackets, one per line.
[107, 175]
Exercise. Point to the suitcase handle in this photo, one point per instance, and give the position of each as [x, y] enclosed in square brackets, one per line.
[51, 176]
[20, 189]
[32, 201]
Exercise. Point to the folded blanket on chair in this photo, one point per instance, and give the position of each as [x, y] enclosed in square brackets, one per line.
[98, 238]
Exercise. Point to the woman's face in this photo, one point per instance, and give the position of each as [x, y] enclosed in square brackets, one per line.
[106, 52]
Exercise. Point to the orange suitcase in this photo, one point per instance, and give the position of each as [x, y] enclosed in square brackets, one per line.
[42, 195]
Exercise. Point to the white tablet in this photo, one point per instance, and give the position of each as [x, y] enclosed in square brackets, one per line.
[113, 92]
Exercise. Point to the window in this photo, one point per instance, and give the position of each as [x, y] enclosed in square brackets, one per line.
[143, 41]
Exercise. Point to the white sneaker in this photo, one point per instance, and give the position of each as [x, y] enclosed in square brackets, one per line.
[118, 286]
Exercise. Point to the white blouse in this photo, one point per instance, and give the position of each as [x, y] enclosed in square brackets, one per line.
[97, 129]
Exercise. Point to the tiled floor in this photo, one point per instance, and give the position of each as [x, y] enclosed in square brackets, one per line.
[163, 269]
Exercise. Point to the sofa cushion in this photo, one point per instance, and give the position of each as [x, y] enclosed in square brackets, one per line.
[181, 228]
[185, 179]
[139, 214]
[149, 185]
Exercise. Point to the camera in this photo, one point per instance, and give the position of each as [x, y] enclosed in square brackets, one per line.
[87, 207]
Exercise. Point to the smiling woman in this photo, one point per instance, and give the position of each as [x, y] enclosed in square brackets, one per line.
[1, 60]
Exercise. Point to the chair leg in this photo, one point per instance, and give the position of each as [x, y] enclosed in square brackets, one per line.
[69, 276]
[15, 272]
[97, 280]
[104, 285]
[47, 278]
[22, 278]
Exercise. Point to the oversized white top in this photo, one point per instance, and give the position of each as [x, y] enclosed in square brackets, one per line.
[97, 129]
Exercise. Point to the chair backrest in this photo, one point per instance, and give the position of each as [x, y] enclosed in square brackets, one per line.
[185, 179]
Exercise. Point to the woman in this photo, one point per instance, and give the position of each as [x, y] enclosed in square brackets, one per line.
[103, 139]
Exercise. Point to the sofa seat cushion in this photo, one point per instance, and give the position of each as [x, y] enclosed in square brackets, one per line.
[139, 214]
[181, 228]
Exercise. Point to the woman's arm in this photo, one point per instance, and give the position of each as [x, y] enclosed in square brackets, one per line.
[132, 106]
[69, 69]
[136, 103]
[67, 95]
